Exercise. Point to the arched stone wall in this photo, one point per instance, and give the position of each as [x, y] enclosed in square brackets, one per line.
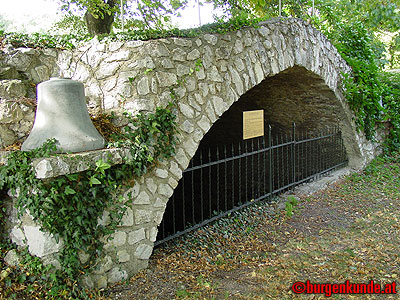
[284, 66]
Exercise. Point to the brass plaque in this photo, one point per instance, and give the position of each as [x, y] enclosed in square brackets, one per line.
[253, 124]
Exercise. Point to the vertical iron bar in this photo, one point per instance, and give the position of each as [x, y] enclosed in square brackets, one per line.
[233, 178]
[264, 167]
[209, 183]
[252, 170]
[245, 171]
[240, 174]
[293, 153]
[277, 162]
[193, 208]
[270, 154]
[218, 204]
[183, 203]
[258, 170]
[201, 188]
[226, 182]
[173, 216]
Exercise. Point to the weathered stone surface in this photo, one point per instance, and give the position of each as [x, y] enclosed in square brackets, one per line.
[123, 256]
[143, 86]
[136, 236]
[143, 216]
[40, 243]
[12, 89]
[143, 251]
[165, 190]
[116, 275]
[192, 55]
[142, 198]
[12, 258]
[166, 79]
[161, 173]
[17, 236]
[119, 238]
[103, 266]
[127, 218]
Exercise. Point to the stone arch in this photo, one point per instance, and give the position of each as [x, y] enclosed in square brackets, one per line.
[286, 58]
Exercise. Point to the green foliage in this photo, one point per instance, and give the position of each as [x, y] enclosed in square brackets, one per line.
[391, 103]
[38, 40]
[70, 206]
[73, 25]
[291, 205]
[363, 88]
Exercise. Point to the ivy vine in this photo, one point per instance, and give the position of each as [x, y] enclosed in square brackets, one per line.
[70, 206]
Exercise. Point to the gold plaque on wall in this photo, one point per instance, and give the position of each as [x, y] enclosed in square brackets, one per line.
[253, 124]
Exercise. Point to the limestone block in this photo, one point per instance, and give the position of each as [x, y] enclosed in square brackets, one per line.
[17, 236]
[143, 251]
[192, 55]
[159, 203]
[118, 56]
[200, 74]
[165, 190]
[223, 52]
[210, 112]
[175, 170]
[12, 89]
[258, 72]
[237, 81]
[127, 218]
[103, 266]
[182, 42]
[166, 79]
[161, 173]
[142, 198]
[151, 186]
[187, 126]
[179, 54]
[119, 238]
[143, 87]
[143, 216]
[166, 63]
[114, 46]
[211, 39]
[116, 275]
[107, 69]
[136, 236]
[214, 75]
[123, 256]
[158, 50]
[12, 258]
[190, 84]
[264, 31]
[101, 282]
[204, 124]
[182, 70]
[146, 62]
[219, 105]
[190, 146]
[41, 243]
[44, 169]
[186, 110]
[172, 182]
[152, 236]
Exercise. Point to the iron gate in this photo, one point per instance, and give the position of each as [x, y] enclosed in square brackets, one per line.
[223, 179]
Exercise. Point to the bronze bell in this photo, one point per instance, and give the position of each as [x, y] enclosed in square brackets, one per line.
[62, 114]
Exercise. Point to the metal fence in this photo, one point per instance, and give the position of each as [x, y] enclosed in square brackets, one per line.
[223, 179]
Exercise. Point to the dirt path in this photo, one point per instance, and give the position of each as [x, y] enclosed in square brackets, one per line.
[349, 231]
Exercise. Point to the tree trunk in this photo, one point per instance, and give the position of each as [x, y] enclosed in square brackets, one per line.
[100, 25]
